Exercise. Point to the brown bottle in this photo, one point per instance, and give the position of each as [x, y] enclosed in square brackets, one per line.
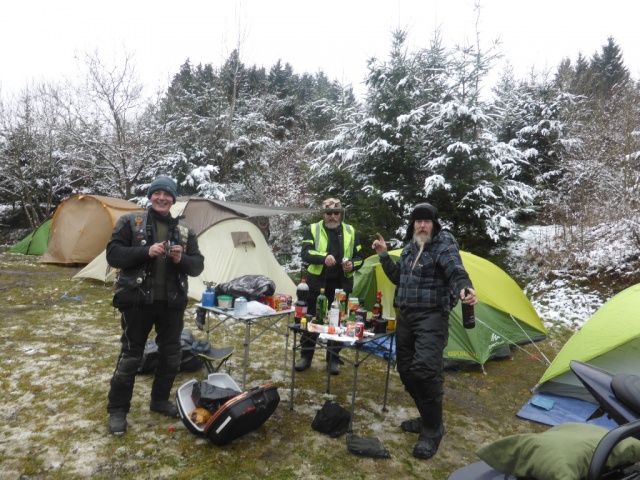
[376, 313]
[468, 314]
[361, 313]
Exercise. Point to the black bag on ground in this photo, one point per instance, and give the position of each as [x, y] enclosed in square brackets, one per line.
[189, 362]
[149, 357]
[211, 397]
[252, 287]
[332, 419]
[366, 447]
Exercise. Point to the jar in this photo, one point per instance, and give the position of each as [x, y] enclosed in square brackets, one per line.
[241, 306]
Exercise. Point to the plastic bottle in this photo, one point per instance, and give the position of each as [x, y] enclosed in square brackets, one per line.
[321, 307]
[468, 314]
[330, 329]
[302, 292]
[334, 312]
[300, 309]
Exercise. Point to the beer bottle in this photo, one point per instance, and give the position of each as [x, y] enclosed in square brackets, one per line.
[376, 313]
[468, 314]
[321, 307]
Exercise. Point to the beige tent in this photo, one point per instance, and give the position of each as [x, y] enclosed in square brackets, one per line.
[81, 228]
[232, 248]
[232, 238]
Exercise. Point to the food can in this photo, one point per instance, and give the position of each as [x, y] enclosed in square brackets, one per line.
[359, 330]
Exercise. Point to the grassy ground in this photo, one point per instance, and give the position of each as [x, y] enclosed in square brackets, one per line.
[60, 340]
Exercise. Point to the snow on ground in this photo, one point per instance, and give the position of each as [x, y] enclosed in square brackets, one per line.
[551, 282]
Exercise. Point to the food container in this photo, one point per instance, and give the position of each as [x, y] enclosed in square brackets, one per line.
[241, 306]
[380, 326]
[225, 301]
[391, 323]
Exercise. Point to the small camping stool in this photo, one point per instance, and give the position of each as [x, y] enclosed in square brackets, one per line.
[220, 355]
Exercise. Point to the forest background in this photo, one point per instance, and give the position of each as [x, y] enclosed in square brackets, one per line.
[558, 148]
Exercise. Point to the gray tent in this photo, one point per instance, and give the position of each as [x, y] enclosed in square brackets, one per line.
[201, 213]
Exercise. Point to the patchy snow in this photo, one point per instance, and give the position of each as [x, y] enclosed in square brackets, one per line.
[548, 257]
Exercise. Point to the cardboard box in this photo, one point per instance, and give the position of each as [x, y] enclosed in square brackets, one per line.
[278, 301]
[283, 302]
[271, 301]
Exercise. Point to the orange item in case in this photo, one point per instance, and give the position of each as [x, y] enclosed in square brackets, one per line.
[283, 302]
[271, 301]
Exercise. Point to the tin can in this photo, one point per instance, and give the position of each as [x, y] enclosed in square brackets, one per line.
[344, 262]
[359, 330]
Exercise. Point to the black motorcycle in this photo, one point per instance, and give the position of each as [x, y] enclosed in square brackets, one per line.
[618, 396]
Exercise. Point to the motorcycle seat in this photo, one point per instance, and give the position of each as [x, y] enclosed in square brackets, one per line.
[626, 388]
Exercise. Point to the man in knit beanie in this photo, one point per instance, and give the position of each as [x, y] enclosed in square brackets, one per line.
[426, 274]
[155, 254]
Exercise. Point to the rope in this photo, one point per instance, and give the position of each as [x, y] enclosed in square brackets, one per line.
[511, 342]
[77, 297]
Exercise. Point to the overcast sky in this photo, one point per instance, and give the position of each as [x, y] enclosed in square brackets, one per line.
[40, 39]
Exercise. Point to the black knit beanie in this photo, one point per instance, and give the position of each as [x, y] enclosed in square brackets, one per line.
[163, 183]
[423, 211]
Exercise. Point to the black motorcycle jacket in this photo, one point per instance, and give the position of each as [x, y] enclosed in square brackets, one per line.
[128, 250]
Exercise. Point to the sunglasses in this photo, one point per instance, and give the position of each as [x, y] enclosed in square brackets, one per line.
[329, 212]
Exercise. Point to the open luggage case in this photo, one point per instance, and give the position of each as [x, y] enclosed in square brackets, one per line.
[238, 416]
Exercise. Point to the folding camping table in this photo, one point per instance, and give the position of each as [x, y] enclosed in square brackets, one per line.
[349, 342]
[221, 317]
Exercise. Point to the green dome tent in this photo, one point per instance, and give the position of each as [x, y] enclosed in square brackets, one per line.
[36, 242]
[610, 340]
[504, 315]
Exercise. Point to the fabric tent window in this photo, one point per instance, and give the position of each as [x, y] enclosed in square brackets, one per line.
[242, 238]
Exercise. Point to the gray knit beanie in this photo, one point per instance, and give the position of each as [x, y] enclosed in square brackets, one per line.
[163, 183]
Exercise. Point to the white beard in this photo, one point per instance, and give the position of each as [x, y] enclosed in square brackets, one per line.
[422, 239]
[332, 224]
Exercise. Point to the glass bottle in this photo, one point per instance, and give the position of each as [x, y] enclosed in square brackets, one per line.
[468, 314]
[376, 313]
[334, 312]
[321, 307]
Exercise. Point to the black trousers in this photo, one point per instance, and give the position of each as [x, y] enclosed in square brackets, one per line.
[308, 340]
[421, 337]
[136, 325]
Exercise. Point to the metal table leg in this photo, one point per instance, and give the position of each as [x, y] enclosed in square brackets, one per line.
[293, 367]
[286, 354]
[353, 392]
[386, 386]
[247, 336]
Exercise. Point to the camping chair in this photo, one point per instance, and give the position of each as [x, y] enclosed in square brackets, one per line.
[209, 355]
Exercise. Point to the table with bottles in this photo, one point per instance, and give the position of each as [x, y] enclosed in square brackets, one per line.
[349, 342]
[272, 322]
